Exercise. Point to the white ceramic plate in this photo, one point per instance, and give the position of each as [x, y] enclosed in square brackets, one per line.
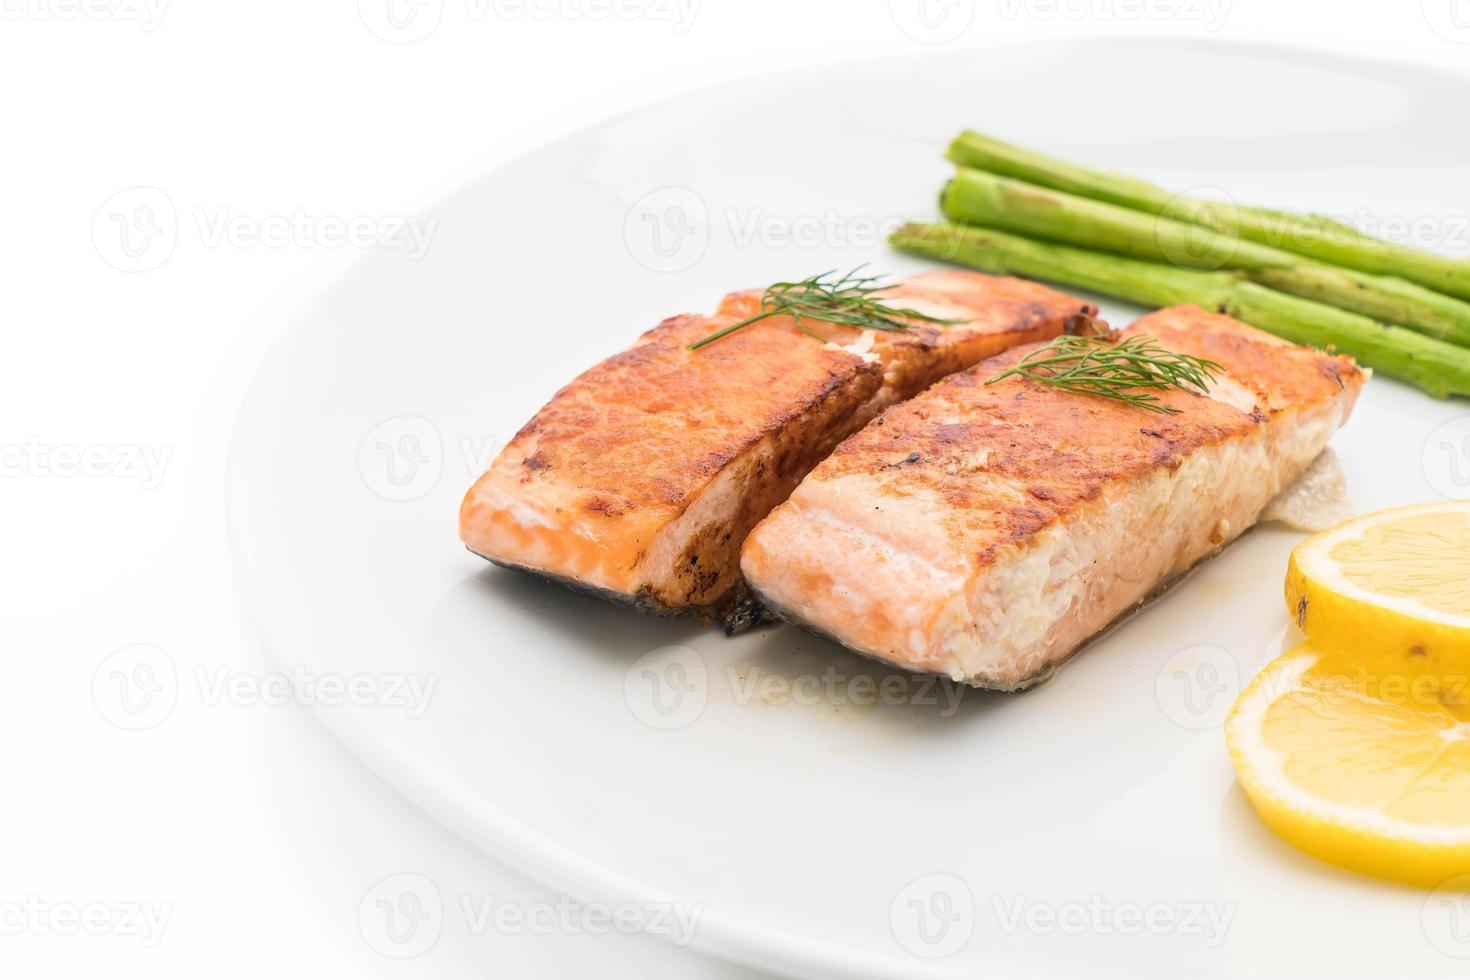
[1088, 829]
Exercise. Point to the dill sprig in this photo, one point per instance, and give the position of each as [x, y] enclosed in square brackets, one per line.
[847, 301]
[1125, 371]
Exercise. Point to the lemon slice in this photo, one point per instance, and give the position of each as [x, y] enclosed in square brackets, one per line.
[1365, 771]
[1391, 587]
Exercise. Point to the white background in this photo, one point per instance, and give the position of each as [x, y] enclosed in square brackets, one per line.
[256, 832]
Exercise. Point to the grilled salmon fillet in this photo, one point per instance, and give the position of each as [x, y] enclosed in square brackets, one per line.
[985, 532]
[640, 480]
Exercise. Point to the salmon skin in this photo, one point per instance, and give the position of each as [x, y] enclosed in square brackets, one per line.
[985, 532]
[639, 481]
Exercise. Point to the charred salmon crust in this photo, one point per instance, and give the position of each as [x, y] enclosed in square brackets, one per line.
[986, 532]
[641, 478]
[638, 602]
[737, 617]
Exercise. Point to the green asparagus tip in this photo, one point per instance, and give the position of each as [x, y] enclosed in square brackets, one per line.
[936, 241]
[951, 152]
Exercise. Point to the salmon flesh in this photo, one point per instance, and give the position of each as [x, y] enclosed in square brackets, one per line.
[985, 532]
[640, 480]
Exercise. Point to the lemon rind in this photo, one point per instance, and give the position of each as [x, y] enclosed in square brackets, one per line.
[1266, 775]
[1313, 562]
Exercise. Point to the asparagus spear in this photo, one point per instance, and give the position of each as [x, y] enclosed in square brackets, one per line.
[1316, 237]
[1380, 297]
[1001, 254]
[987, 199]
[1433, 366]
